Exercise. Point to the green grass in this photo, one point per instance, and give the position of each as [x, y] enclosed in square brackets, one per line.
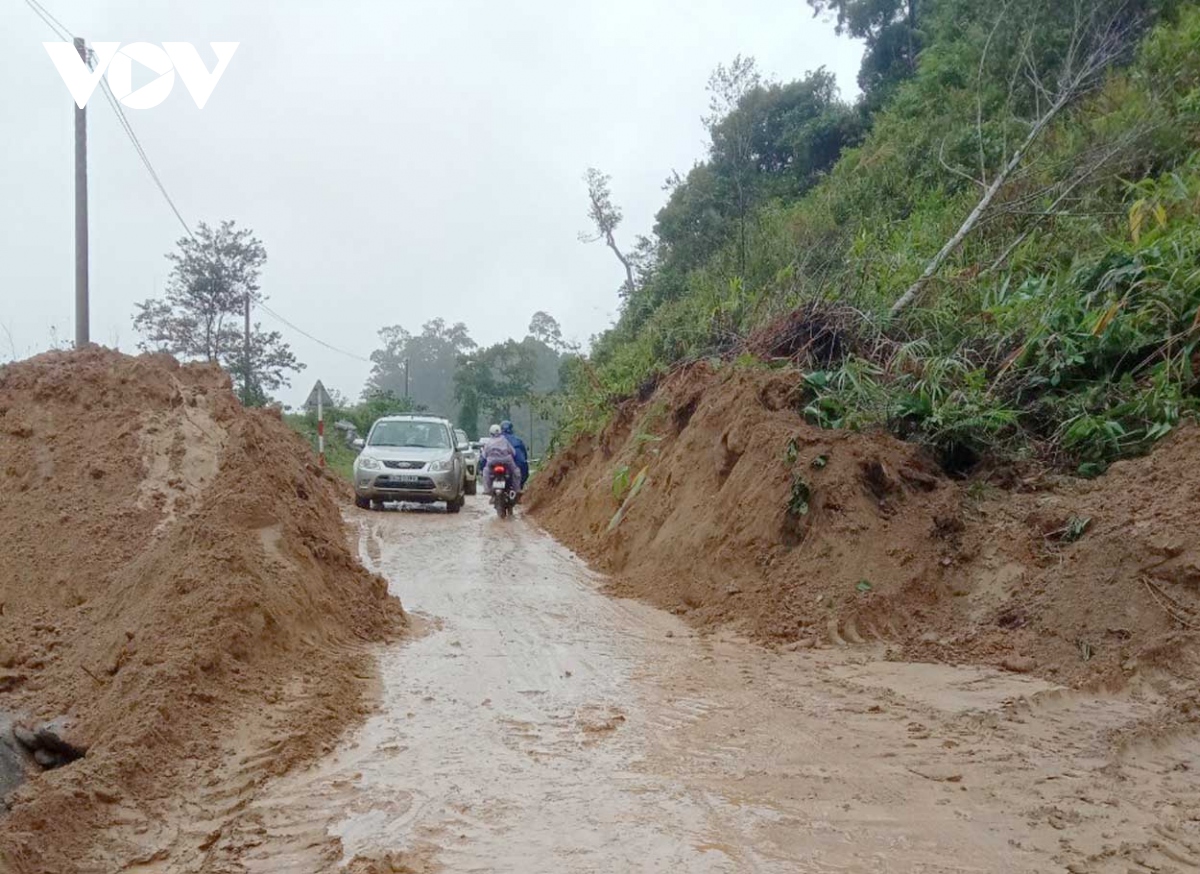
[1064, 329]
[338, 456]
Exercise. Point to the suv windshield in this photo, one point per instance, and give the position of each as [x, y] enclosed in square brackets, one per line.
[423, 435]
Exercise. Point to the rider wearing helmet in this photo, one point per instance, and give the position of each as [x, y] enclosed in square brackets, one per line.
[497, 450]
[518, 447]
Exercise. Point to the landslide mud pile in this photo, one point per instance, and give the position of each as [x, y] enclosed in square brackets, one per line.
[174, 581]
[745, 514]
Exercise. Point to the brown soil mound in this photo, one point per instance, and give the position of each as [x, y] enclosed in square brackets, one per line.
[175, 579]
[1079, 580]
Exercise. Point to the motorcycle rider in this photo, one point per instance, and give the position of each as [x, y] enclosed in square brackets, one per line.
[497, 450]
[518, 447]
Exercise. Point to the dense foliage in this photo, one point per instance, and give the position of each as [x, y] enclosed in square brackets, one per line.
[1048, 150]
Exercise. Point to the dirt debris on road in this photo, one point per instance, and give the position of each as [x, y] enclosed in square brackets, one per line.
[176, 580]
[179, 585]
[539, 726]
[801, 536]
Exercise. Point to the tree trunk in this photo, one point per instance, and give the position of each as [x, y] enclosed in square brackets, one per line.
[625, 262]
[914, 290]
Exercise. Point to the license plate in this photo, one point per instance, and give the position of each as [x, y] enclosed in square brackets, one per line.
[405, 478]
[499, 484]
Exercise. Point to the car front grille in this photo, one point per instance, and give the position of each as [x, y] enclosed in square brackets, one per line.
[404, 465]
[420, 484]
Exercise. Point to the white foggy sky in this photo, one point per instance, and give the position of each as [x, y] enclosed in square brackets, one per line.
[400, 160]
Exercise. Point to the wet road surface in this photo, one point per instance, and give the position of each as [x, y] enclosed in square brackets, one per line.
[538, 725]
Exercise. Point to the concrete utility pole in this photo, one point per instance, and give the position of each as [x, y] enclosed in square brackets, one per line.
[406, 379]
[82, 332]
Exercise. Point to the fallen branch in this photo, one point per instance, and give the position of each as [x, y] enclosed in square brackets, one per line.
[1079, 76]
[1169, 606]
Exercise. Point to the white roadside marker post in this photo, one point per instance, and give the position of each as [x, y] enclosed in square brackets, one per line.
[320, 429]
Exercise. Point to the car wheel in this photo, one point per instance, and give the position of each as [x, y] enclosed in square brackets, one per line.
[362, 503]
[377, 505]
[471, 486]
[455, 505]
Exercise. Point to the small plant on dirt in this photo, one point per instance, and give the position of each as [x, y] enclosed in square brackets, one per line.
[640, 441]
[620, 481]
[819, 462]
[791, 453]
[980, 490]
[1076, 526]
[635, 488]
[849, 397]
[798, 502]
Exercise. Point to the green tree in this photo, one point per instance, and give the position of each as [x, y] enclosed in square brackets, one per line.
[202, 315]
[768, 141]
[890, 29]
[474, 388]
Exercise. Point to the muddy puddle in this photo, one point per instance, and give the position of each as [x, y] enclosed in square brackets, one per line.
[537, 725]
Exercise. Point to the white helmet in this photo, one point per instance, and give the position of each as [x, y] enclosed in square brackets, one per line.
[494, 430]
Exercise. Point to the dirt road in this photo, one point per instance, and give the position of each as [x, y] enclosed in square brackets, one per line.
[540, 726]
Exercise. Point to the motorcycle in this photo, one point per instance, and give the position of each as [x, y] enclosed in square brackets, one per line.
[504, 498]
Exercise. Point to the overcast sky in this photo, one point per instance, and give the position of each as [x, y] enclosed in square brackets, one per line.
[400, 160]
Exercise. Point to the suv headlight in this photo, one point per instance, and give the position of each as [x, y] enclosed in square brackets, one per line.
[368, 463]
[441, 466]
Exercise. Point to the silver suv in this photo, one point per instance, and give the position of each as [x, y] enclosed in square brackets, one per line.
[470, 460]
[410, 458]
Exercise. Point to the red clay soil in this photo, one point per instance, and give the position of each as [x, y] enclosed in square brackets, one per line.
[175, 578]
[890, 548]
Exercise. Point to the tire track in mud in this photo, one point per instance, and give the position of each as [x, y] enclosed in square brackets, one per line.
[540, 726]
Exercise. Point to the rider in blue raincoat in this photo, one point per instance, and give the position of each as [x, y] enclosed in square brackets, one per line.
[519, 450]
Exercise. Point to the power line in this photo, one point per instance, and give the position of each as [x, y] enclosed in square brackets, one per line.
[262, 306]
[137, 145]
[51, 22]
[65, 34]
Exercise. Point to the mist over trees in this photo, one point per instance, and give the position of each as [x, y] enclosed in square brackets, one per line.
[449, 374]
[420, 366]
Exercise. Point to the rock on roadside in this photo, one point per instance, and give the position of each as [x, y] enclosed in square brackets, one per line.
[14, 762]
[52, 744]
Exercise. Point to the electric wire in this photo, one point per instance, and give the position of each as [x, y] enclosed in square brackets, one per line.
[262, 306]
[123, 120]
[64, 34]
[53, 23]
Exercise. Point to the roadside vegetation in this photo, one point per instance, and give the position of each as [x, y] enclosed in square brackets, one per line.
[995, 252]
[339, 454]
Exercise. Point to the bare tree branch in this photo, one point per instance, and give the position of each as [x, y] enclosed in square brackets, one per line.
[1079, 75]
[1089, 170]
[957, 172]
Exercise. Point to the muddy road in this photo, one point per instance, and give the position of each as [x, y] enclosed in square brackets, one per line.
[538, 725]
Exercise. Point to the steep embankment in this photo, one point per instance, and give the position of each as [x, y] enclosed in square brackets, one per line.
[176, 581]
[746, 514]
